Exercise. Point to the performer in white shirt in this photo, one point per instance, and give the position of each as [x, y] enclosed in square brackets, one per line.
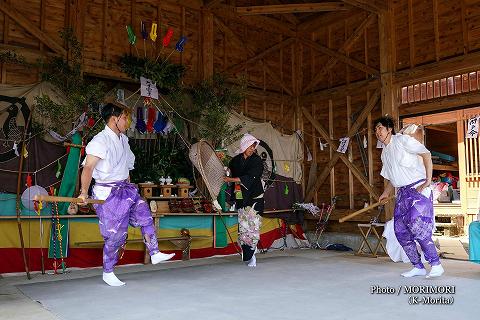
[109, 160]
[407, 166]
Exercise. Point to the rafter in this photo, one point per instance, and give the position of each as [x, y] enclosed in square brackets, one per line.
[337, 155]
[341, 57]
[346, 46]
[341, 91]
[292, 8]
[319, 22]
[234, 37]
[26, 23]
[258, 22]
[260, 55]
[290, 17]
[373, 6]
[211, 3]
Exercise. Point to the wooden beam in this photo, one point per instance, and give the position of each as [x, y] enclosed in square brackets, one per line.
[290, 17]
[243, 44]
[105, 70]
[341, 91]
[368, 5]
[212, 3]
[292, 8]
[105, 24]
[449, 127]
[435, 30]
[191, 4]
[326, 171]
[441, 104]
[261, 55]
[272, 96]
[207, 44]
[30, 55]
[259, 22]
[346, 46]
[340, 56]
[389, 92]
[436, 70]
[275, 78]
[319, 22]
[356, 172]
[411, 34]
[466, 48]
[26, 23]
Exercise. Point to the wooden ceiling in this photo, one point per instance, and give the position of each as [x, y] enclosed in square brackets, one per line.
[299, 13]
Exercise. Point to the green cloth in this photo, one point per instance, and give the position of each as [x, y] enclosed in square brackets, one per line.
[221, 240]
[8, 206]
[67, 189]
[474, 241]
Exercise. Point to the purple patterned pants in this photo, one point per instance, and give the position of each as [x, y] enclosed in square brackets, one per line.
[123, 206]
[414, 220]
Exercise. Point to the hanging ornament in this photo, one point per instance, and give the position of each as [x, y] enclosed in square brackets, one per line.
[286, 191]
[59, 169]
[82, 150]
[161, 123]
[24, 151]
[132, 38]
[15, 149]
[181, 43]
[153, 32]
[140, 126]
[150, 119]
[147, 101]
[129, 120]
[28, 181]
[37, 207]
[90, 122]
[143, 30]
[167, 38]
[286, 167]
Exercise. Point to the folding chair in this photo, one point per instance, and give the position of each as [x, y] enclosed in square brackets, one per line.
[368, 229]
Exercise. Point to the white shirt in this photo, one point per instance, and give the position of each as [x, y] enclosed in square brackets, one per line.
[116, 159]
[402, 164]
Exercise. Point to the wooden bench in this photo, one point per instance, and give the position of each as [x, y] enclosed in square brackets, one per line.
[181, 242]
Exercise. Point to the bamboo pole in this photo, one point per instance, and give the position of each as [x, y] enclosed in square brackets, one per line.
[19, 185]
[370, 207]
[65, 199]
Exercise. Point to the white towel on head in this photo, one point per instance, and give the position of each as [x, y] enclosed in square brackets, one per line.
[246, 141]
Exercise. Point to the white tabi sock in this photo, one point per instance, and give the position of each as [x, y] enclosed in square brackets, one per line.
[159, 257]
[111, 279]
[414, 272]
[252, 262]
[436, 271]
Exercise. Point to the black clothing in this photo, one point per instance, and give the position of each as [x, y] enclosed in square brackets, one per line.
[250, 172]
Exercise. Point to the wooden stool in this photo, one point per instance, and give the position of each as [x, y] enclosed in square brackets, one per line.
[366, 229]
[167, 190]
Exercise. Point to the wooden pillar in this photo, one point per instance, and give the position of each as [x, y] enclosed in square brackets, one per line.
[461, 162]
[207, 44]
[389, 92]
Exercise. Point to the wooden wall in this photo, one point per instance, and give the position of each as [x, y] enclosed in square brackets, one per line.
[303, 70]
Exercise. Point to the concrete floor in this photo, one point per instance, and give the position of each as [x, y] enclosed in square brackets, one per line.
[290, 284]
